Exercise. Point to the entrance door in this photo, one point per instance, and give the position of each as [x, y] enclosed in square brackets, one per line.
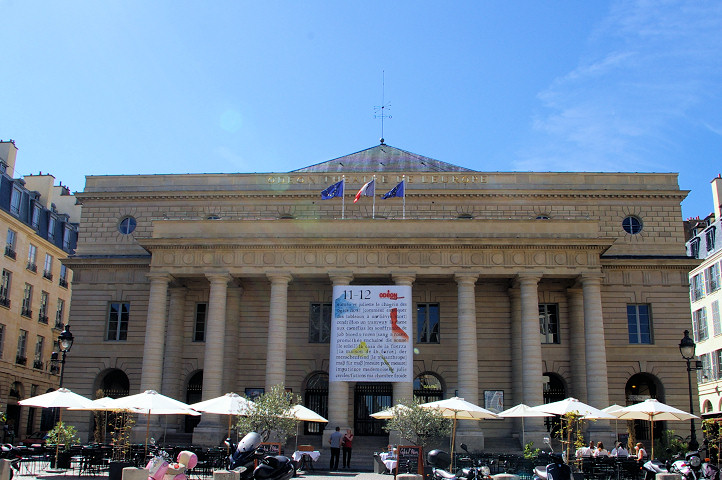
[194, 394]
[370, 398]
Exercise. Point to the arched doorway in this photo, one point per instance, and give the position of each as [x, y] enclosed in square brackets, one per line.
[12, 412]
[370, 398]
[428, 387]
[194, 394]
[639, 388]
[316, 398]
[554, 391]
[114, 384]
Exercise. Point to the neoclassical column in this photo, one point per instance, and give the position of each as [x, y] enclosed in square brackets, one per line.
[152, 371]
[595, 347]
[277, 326]
[531, 350]
[467, 345]
[233, 320]
[405, 390]
[516, 360]
[337, 391]
[578, 364]
[213, 359]
[174, 343]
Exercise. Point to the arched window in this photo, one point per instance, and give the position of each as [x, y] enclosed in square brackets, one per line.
[428, 388]
[316, 398]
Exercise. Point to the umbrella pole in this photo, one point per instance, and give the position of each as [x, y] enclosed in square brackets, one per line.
[57, 443]
[652, 436]
[453, 438]
[228, 447]
[147, 433]
[523, 434]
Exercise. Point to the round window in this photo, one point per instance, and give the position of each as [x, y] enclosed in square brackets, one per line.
[127, 225]
[632, 225]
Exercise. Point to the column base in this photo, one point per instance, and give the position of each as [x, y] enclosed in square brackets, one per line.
[474, 440]
[209, 434]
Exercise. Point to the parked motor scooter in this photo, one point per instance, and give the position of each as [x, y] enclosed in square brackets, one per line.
[439, 460]
[555, 468]
[269, 467]
[651, 468]
[13, 454]
[689, 468]
[477, 471]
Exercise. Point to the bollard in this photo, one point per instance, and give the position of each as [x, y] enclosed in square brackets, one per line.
[5, 469]
[668, 476]
[133, 473]
[226, 475]
[505, 476]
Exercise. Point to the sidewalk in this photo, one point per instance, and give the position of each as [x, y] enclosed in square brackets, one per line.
[319, 475]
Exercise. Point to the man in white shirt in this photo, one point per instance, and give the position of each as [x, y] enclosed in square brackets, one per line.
[620, 451]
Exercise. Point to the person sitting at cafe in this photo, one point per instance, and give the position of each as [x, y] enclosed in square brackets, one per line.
[584, 452]
[619, 451]
[641, 452]
[600, 451]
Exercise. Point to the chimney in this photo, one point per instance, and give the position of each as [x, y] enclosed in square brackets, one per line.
[717, 196]
[8, 151]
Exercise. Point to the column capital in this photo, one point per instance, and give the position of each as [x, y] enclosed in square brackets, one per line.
[340, 277]
[220, 277]
[591, 278]
[279, 277]
[159, 277]
[466, 277]
[527, 278]
[403, 278]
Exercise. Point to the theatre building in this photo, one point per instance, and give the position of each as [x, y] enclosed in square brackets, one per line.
[526, 287]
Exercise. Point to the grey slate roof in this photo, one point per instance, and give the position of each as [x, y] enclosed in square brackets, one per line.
[382, 158]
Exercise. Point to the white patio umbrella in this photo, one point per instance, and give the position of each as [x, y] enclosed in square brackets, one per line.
[459, 409]
[389, 413]
[653, 410]
[60, 398]
[614, 410]
[521, 411]
[152, 402]
[572, 405]
[303, 414]
[230, 404]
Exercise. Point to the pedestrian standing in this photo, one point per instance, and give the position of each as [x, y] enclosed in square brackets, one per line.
[335, 441]
[346, 444]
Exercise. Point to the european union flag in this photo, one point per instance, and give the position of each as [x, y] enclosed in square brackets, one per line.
[397, 191]
[335, 190]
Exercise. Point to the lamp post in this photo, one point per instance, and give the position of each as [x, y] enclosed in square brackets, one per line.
[65, 343]
[686, 348]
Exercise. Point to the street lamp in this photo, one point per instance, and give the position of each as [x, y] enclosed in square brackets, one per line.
[65, 343]
[686, 348]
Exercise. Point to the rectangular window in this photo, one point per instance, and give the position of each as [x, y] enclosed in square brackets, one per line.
[2, 339]
[39, 344]
[32, 256]
[639, 324]
[711, 277]
[59, 313]
[52, 222]
[699, 324]
[48, 267]
[428, 318]
[716, 326]
[43, 310]
[66, 238]
[21, 357]
[5, 288]
[15, 198]
[63, 280]
[549, 322]
[697, 287]
[319, 323]
[718, 362]
[118, 314]
[10, 243]
[199, 329]
[705, 375]
[27, 309]
[35, 219]
[709, 235]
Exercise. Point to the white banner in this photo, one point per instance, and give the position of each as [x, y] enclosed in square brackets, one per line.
[371, 337]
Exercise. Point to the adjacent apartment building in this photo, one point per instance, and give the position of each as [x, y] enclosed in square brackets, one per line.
[525, 287]
[705, 296]
[39, 224]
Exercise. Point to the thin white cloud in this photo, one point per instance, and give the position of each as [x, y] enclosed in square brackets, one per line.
[648, 64]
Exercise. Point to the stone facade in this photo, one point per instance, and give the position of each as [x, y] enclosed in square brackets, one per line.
[486, 249]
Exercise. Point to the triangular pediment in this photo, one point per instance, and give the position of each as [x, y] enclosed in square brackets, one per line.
[382, 158]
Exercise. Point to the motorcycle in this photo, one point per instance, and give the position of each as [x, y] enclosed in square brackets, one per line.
[689, 468]
[11, 453]
[438, 459]
[269, 467]
[651, 468]
[475, 472]
[555, 469]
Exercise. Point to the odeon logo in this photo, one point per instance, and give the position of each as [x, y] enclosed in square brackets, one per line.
[389, 294]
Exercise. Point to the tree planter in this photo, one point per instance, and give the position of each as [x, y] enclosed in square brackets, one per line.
[115, 470]
[64, 459]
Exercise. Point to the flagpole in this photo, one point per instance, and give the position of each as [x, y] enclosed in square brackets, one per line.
[403, 179]
[373, 207]
[343, 197]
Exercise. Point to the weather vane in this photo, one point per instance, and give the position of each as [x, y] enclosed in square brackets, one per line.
[380, 110]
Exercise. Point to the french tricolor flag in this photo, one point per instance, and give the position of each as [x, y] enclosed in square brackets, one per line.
[368, 190]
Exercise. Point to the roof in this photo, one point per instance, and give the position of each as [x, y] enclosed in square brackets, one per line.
[382, 158]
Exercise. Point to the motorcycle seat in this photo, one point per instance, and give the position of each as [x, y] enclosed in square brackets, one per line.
[443, 473]
[540, 471]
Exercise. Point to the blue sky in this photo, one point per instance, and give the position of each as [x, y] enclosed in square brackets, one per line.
[125, 87]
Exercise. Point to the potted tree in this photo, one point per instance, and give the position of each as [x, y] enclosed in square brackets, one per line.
[122, 425]
[62, 436]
